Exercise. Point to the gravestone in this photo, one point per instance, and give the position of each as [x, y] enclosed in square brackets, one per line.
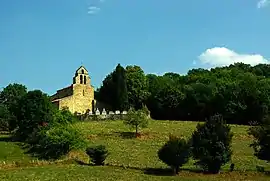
[97, 112]
[104, 112]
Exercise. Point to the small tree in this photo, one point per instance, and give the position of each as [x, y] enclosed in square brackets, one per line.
[175, 153]
[136, 119]
[9, 98]
[97, 154]
[261, 143]
[211, 144]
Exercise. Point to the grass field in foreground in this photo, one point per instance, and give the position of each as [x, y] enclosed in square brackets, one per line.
[136, 155]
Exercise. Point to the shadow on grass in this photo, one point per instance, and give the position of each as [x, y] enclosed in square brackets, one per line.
[168, 171]
[127, 135]
[79, 162]
[155, 171]
[158, 171]
[8, 138]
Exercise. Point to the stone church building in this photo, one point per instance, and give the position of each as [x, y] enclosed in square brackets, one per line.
[79, 96]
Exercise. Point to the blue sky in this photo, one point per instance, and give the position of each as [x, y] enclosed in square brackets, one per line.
[42, 42]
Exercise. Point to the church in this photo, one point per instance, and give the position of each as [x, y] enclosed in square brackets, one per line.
[79, 96]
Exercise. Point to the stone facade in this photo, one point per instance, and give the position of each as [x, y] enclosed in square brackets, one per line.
[79, 97]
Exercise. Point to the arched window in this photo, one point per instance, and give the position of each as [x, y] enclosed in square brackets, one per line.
[84, 79]
[82, 71]
[81, 79]
[83, 92]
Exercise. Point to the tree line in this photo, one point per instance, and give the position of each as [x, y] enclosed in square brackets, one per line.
[238, 92]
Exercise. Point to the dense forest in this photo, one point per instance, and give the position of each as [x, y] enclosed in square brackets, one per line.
[239, 92]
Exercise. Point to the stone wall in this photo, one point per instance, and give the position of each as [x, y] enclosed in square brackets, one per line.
[67, 102]
[83, 96]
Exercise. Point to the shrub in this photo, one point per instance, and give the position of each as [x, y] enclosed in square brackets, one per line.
[261, 143]
[35, 110]
[97, 154]
[64, 116]
[211, 144]
[57, 142]
[175, 153]
[136, 119]
[10, 97]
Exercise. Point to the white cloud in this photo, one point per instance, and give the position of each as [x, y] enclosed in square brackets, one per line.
[263, 3]
[93, 9]
[221, 56]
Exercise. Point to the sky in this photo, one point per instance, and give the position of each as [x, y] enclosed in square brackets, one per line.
[43, 42]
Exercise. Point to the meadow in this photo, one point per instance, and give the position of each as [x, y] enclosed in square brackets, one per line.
[130, 158]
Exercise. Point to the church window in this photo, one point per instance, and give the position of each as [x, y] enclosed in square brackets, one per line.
[81, 79]
[82, 71]
[83, 92]
[84, 79]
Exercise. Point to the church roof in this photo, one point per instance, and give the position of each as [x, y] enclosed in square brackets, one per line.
[81, 67]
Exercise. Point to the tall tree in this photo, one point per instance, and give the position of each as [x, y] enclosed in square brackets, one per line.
[114, 89]
[137, 86]
[121, 98]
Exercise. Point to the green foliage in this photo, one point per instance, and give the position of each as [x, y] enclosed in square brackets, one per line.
[239, 92]
[261, 143]
[146, 110]
[114, 89]
[9, 100]
[57, 142]
[175, 153]
[64, 116]
[97, 154]
[4, 118]
[136, 119]
[137, 87]
[35, 111]
[121, 102]
[211, 144]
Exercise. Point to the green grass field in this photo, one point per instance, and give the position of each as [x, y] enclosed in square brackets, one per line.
[130, 158]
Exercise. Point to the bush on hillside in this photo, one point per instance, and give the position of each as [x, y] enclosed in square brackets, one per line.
[57, 142]
[10, 97]
[64, 116]
[175, 153]
[97, 154]
[136, 119]
[261, 143]
[35, 111]
[211, 144]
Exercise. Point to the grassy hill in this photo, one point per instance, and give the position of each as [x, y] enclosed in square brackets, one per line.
[129, 159]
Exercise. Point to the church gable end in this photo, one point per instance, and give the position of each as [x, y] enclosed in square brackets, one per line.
[79, 96]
